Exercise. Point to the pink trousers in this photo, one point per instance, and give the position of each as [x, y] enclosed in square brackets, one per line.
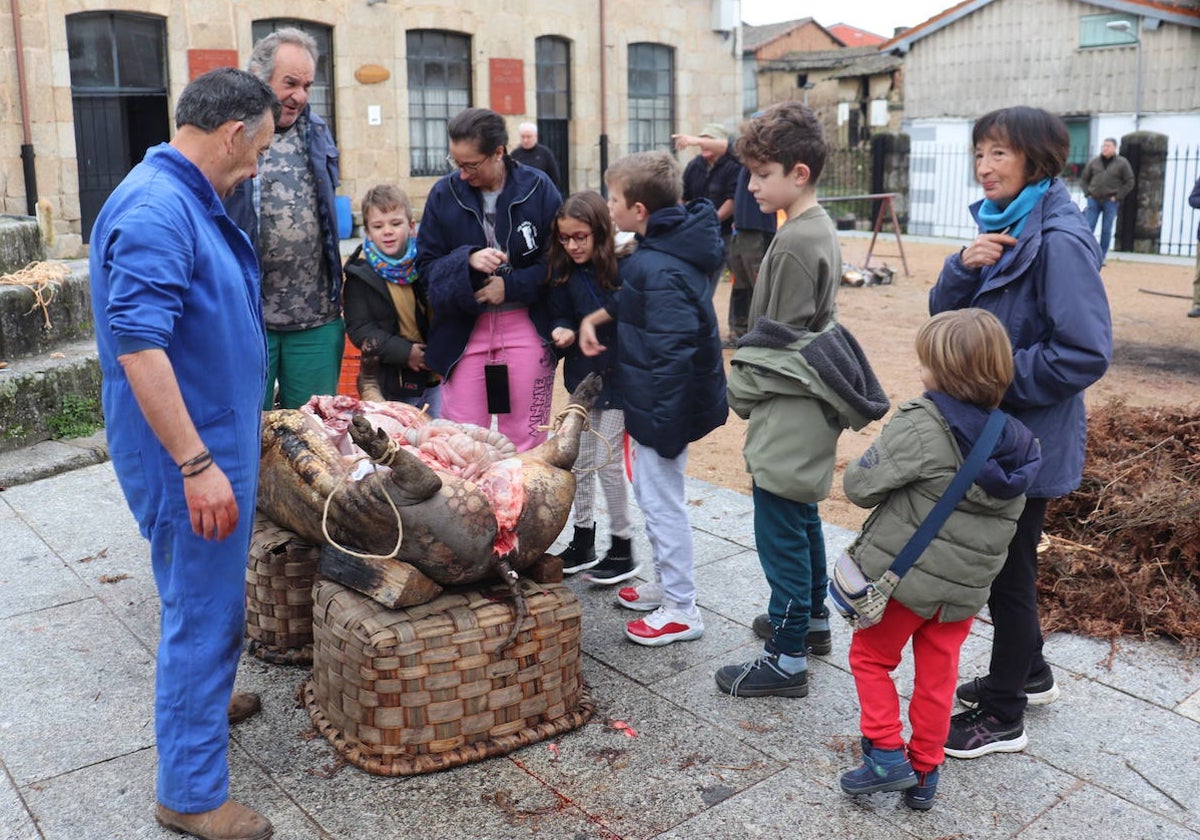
[509, 338]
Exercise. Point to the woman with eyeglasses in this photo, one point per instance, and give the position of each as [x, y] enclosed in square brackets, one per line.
[481, 248]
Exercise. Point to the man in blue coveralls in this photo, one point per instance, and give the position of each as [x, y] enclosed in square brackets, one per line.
[183, 353]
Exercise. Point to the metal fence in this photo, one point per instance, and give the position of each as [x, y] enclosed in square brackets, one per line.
[1182, 169]
[848, 172]
[942, 185]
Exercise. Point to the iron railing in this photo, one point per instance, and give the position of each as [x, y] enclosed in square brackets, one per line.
[942, 185]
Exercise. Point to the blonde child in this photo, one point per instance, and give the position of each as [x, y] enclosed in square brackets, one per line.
[384, 299]
[583, 278]
[966, 366]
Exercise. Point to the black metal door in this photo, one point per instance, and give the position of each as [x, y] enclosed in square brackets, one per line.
[118, 98]
[112, 134]
[553, 135]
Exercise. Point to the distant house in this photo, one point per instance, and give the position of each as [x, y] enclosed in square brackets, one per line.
[766, 43]
[855, 90]
[1108, 67]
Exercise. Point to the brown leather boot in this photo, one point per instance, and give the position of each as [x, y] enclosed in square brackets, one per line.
[243, 705]
[230, 821]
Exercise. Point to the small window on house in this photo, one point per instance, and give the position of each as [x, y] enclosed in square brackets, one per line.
[749, 84]
[1107, 30]
[651, 97]
[439, 86]
[1081, 144]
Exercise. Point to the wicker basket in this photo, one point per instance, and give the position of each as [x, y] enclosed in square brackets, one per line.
[401, 692]
[279, 578]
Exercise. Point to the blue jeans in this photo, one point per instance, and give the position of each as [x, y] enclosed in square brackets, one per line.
[1094, 209]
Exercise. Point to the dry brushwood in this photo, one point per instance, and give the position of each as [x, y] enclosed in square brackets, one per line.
[1124, 555]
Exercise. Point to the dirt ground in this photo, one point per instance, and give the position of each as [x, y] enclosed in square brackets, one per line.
[1156, 355]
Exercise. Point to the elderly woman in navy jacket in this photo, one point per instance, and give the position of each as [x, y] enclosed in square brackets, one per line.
[1036, 266]
[481, 248]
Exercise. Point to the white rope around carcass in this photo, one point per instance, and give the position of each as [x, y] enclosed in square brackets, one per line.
[399, 523]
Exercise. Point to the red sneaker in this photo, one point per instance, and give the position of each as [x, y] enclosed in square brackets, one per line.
[644, 596]
[665, 625]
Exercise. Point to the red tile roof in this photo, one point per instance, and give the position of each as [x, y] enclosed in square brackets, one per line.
[852, 36]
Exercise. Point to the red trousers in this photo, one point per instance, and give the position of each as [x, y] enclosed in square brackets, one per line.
[875, 653]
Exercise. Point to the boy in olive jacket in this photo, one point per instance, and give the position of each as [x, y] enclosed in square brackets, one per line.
[799, 378]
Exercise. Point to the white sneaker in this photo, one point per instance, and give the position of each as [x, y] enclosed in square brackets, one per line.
[665, 625]
[644, 596]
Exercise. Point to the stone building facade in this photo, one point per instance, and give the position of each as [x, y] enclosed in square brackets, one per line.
[600, 77]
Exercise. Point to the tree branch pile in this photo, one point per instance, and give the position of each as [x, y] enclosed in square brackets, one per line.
[1124, 549]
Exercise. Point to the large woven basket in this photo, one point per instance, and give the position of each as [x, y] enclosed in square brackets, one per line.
[279, 577]
[414, 690]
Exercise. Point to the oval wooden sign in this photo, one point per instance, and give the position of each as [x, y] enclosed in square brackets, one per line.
[370, 74]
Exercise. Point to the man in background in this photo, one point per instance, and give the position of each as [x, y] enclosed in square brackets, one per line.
[1106, 180]
[290, 215]
[532, 153]
[712, 174]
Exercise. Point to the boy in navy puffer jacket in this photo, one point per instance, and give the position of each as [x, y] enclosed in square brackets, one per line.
[670, 373]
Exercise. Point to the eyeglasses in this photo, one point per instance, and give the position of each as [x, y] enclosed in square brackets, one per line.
[469, 168]
[577, 238]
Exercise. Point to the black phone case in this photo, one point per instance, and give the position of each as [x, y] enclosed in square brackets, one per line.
[495, 380]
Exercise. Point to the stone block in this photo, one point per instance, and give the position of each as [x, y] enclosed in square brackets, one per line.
[20, 244]
[27, 329]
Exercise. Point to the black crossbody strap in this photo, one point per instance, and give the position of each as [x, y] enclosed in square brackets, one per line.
[962, 481]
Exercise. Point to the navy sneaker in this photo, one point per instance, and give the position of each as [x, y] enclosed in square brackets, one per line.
[881, 770]
[978, 732]
[762, 677]
[1039, 691]
[818, 642]
[920, 796]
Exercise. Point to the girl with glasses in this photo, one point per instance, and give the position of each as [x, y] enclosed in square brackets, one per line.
[583, 278]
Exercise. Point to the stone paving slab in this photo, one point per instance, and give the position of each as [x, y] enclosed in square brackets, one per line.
[1116, 757]
[74, 691]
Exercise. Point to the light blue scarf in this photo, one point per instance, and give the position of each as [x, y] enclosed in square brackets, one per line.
[1011, 219]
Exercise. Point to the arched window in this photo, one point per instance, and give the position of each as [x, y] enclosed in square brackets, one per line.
[439, 86]
[651, 97]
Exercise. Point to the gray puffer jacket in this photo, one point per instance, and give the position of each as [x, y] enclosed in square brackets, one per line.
[907, 470]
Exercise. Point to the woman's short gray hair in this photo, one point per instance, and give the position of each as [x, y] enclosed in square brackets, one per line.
[262, 57]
